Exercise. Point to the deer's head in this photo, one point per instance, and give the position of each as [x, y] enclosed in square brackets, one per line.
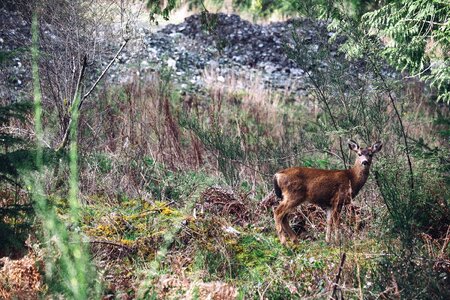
[365, 155]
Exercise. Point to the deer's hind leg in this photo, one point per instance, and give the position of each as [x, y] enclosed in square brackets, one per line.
[279, 214]
[282, 219]
[286, 227]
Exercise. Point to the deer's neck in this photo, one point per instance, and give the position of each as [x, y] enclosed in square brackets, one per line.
[358, 177]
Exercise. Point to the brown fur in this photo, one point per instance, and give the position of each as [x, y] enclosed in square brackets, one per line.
[329, 189]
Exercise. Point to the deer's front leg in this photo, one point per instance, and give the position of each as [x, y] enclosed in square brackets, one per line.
[336, 223]
[329, 224]
[333, 220]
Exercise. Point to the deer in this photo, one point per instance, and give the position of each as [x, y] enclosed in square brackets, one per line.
[329, 189]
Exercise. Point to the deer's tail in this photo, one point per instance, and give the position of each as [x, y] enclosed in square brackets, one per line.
[276, 187]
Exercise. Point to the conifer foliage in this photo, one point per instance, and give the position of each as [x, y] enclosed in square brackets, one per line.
[418, 39]
[10, 142]
[13, 154]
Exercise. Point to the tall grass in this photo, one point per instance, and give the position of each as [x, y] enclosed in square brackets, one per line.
[67, 266]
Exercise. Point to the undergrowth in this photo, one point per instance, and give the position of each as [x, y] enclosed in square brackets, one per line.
[158, 195]
[211, 248]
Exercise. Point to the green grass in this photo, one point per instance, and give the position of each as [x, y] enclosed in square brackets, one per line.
[249, 261]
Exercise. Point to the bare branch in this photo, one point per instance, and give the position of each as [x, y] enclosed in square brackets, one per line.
[66, 133]
[338, 276]
[104, 72]
[112, 244]
[400, 121]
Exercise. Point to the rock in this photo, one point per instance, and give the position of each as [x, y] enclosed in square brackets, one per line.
[270, 69]
[236, 46]
[172, 63]
[297, 72]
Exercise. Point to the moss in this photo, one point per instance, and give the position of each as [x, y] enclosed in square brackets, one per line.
[133, 222]
[256, 253]
[102, 230]
[209, 253]
[165, 210]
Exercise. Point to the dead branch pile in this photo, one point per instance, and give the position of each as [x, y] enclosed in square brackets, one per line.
[225, 202]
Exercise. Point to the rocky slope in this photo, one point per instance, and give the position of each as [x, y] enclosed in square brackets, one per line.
[15, 40]
[225, 45]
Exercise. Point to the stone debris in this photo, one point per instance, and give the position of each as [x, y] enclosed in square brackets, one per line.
[227, 46]
[15, 40]
[224, 45]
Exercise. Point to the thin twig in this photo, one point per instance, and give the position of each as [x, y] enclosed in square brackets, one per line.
[446, 242]
[74, 101]
[112, 244]
[104, 71]
[338, 276]
[323, 98]
[420, 73]
[66, 134]
[400, 121]
[425, 21]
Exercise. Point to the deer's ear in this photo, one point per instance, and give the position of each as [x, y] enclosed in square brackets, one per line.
[376, 147]
[353, 145]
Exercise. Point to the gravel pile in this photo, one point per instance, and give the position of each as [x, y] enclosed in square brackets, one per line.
[15, 40]
[223, 45]
[227, 45]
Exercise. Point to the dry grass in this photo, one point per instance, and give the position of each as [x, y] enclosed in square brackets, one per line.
[21, 279]
[137, 122]
[141, 121]
[172, 286]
